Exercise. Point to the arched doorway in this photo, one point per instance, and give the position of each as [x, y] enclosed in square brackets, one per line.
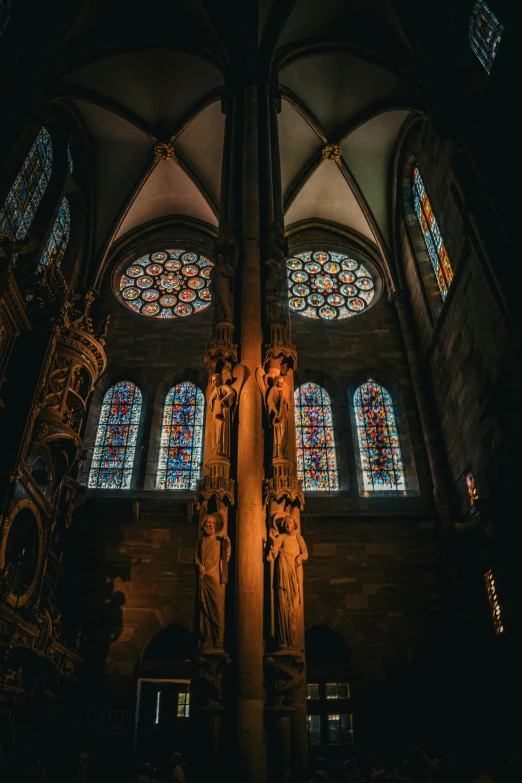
[163, 697]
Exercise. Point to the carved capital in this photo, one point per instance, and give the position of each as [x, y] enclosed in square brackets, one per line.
[332, 152]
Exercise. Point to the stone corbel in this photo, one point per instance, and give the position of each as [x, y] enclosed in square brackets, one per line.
[207, 680]
[284, 676]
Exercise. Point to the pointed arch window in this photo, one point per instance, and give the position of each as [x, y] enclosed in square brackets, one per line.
[115, 446]
[179, 464]
[316, 457]
[379, 446]
[439, 257]
[28, 188]
[485, 33]
[57, 242]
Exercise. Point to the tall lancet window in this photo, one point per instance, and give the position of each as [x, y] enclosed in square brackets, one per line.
[437, 251]
[485, 33]
[115, 446]
[59, 237]
[28, 188]
[5, 6]
[316, 457]
[379, 446]
[179, 464]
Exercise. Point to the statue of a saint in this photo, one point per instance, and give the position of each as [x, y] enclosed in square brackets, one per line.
[221, 401]
[211, 560]
[222, 285]
[288, 552]
[277, 407]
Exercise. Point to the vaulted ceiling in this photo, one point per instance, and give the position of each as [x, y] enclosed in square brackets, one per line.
[346, 77]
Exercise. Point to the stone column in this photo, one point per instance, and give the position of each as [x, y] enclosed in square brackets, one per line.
[250, 519]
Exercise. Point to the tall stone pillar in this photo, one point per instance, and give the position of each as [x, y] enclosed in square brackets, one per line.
[250, 530]
[285, 666]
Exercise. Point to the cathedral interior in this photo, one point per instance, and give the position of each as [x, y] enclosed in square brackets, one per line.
[258, 337]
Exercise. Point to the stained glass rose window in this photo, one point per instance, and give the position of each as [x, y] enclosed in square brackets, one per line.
[328, 285]
[167, 284]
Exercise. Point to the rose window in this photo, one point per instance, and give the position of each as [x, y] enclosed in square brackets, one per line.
[167, 284]
[328, 285]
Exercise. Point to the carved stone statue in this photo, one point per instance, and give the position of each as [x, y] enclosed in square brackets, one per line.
[277, 407]
[211, 560]
[222, 284]
[221, 401]
[287, 552]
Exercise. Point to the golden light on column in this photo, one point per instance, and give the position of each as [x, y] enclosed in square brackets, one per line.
[496, 611]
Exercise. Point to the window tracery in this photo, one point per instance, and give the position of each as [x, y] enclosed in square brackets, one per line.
[328, 285]
[59, 237]
[485, 34]
[316, 456]
[115, 445]
[28, 188]
[379, 445]
[439, 257]
[179, 464]
[167, 284]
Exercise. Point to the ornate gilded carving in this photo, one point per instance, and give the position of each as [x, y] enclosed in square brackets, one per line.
[164, 150]
[57, 384]
[332, 152]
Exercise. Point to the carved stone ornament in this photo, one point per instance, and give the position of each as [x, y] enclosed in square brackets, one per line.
[164, 150]
[211, 558]
[276, 400]
[207, 680]
[284, 676]
[332, 152]
[221, 401]
[286, 554]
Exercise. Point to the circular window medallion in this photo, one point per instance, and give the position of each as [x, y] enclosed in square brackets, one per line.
[167, 284]
[328, 285]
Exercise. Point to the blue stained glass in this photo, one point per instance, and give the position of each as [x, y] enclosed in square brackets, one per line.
[439, 257]
[70, 162]
[379, 446]
[179, 464]
[28, 188]
[316, 457]
[485, 33]
[57, 242]
[115, 446]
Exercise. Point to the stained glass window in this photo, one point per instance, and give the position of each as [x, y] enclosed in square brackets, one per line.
[379, 446]
[70, 162]
[316, 458]
[328, 285]
[168, 284]
[26, 193]
[57, 242]
[437, 251]
[485, 33]
[5, 6]
[115, 445]
[181, 441]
